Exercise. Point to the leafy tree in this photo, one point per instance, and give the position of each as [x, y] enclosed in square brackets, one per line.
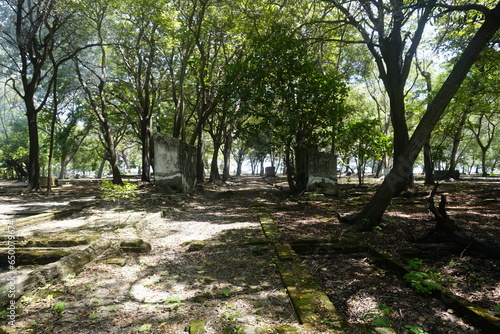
[13, 153]
[34, 27]
[484, 126]
[240, 151]
[39, 41]
[392, 32]
[95, 79]
[142, 36]
[373, 211]
[287, 94]
[363, 140]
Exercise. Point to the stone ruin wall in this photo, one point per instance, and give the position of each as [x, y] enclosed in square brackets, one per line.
[175, 164]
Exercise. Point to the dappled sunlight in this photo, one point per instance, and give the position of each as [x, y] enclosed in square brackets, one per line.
[359, 305]
[209, 261]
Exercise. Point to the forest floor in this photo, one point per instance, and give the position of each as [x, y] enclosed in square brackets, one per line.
[204, 266]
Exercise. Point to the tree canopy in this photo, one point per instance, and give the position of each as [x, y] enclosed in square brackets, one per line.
[86, 83]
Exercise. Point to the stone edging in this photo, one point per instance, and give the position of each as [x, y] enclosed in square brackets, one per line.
[68, 265]
[21, 222]
[311, 304]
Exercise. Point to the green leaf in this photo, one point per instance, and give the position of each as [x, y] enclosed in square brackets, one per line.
[145, 327]
[225, 292]
[174, 299]
[60, 306]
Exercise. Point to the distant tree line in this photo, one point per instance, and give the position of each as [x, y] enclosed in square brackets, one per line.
[86, 83]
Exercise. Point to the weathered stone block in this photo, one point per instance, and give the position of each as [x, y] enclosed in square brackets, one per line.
[175, 164]
[135, 246]
[270, 172]
[44, 181]
[444, 174]
[322, 171]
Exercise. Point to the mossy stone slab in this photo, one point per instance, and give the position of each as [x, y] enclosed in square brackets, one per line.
[135, 246]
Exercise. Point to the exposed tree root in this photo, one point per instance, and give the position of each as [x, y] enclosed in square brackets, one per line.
[456, 234]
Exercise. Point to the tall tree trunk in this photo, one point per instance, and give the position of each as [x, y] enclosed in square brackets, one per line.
[51, 143]
[290, 170]
[228, 144]
[457, 138]
[372, 213]
[100, 171]
[239, 165]
[64, 164]
[301, 167]
[147, 137]
[395, 88]
[214, 166]
[34, 150]
[428, 164]
[484, 152]
[111, 152]
[200, 163]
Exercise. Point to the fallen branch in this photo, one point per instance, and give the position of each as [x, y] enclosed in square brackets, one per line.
[457, 234]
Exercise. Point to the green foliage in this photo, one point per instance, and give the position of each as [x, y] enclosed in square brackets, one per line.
[365, 141]
[13, 149]
[115, 191]
[423, 281]
[414, 330]
[287, 99]
[145, 327]
[94, 315]
[60, 307]
[416, 264]
[384, 308]
[173, 302]
[225, 292]
[379, 318]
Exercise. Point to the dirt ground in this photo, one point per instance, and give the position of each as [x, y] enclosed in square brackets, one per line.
[364, 292]
[204, 265]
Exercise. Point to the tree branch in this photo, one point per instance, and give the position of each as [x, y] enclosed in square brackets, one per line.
[451, 8]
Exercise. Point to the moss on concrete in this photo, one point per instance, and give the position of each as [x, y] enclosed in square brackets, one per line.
[196, 327]
[311, 304]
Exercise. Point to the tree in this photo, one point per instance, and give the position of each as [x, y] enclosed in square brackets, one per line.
[484, 126]
[94, 82]
[363, 140]
[372, 213]
[392, 32]
[13, 154]
[143, 30]
[288, 97]
[240, 151]
[29, 45]
[71, 134]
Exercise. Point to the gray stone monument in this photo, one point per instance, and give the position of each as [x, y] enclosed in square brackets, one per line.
[322, 176]
[175, 164]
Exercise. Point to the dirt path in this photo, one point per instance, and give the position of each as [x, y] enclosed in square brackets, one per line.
[207, 263]
[203, 266]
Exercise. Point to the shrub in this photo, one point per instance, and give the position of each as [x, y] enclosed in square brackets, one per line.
[115, 191]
